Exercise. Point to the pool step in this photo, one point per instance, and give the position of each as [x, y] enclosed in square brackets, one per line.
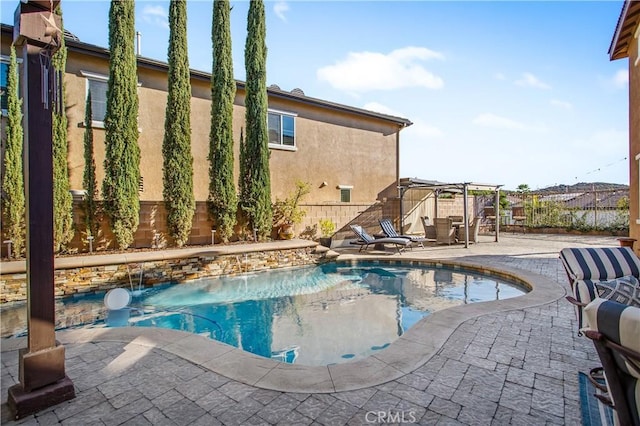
[328, 253]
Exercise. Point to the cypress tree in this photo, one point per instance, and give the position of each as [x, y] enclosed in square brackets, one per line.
[13, 203]
[62, 201]
[222, 199]
[256, 196]
[89, 182]
[122, 153]
[176, 146]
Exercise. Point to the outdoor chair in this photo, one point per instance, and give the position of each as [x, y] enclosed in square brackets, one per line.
[593, 269]
[390, 231]
[474, 231]
[429, 229]
[614, 329]
[365, 240]
[490, 217]
[518, 217]
[445, 231]
[457, 219]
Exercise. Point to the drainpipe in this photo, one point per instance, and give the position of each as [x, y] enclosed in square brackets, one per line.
[465, 191]
[138, 41]
[400, 192]
[496, 203]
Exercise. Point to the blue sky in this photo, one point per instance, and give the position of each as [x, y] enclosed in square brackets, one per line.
[505, 92]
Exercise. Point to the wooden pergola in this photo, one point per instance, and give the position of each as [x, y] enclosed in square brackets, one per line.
[407, 184]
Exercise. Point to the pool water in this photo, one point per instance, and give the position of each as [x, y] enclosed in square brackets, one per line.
[316, 315]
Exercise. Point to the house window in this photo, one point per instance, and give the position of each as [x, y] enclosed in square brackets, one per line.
[281, 129]
[4, 80]
[97, 85]
[345, 193]
[4, 75]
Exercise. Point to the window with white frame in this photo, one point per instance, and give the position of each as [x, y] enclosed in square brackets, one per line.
[282, 129]
[345, 193]
[97, 85]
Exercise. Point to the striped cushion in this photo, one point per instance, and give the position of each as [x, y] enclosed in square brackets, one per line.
[600, 263]
[585, 266]
[620, 324]
[388, 228]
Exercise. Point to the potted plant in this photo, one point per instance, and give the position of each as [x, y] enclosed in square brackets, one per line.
[327, 228]
[287, 212]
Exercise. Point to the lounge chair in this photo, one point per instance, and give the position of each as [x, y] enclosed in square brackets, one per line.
[587, 267]
[390, 231]
[365, 240]
[445, 231]
[429, 229]
[614, 329]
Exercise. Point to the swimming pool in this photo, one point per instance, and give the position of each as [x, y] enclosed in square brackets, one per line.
[318, 315]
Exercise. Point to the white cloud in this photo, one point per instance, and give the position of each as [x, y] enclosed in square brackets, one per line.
[419, 130]
[561, 104]
[279, 8]
[383, 109]
[621, 79]
[494, 121]
[156, 15]
[364, 71]
[530, 80]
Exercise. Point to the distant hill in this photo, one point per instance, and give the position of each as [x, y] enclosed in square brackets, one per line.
[582, 187]
[578, 187]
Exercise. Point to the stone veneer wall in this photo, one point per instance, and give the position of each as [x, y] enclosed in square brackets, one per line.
[73, 281]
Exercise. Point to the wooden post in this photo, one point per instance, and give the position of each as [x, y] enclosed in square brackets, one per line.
[43, 381]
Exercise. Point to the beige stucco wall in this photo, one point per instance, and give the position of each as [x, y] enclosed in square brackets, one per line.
[330, 147]
[338, 147]
[634, 141]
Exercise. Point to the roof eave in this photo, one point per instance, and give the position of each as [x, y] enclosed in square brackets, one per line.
[98, 51]
[625, 30]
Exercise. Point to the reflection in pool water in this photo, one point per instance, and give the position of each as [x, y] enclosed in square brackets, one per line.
[311, 315]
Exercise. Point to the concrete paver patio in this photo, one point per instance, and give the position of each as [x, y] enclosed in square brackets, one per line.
[518, 366]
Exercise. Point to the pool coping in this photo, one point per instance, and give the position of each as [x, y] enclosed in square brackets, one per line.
[406, 354]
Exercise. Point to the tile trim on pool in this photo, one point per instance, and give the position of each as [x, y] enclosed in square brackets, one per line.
[404, 355]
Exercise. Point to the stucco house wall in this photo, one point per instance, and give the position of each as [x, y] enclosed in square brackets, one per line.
[624, 45]
[634, 135]
[334, 145]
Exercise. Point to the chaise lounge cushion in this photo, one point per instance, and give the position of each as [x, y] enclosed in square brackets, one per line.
[390, 231]
[586, 266]
[625, 290]
[365, 240]
[619, 324]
